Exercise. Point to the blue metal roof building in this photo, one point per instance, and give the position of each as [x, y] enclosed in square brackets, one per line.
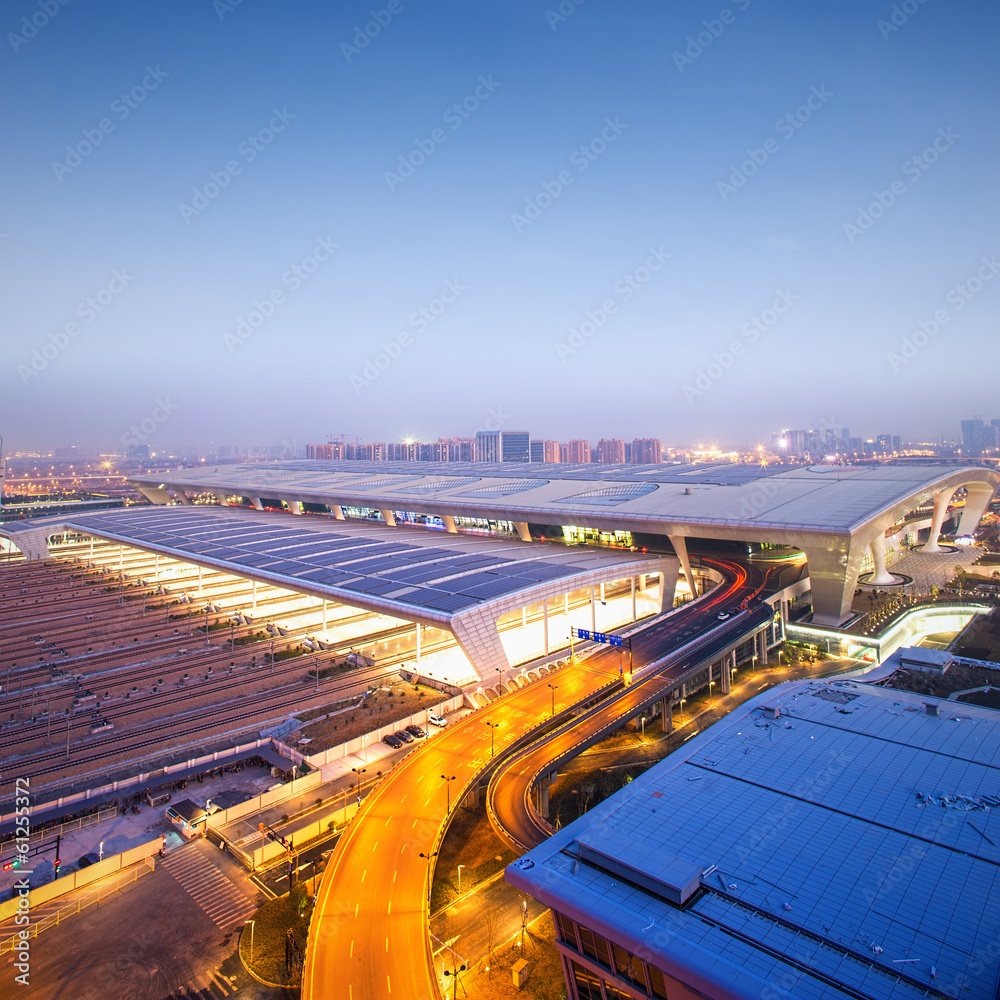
[824, 840]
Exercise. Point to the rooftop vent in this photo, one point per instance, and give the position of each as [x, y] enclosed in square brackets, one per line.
[771, 711]
[931, 707]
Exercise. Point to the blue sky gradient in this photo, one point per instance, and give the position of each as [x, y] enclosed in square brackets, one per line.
[662, 364]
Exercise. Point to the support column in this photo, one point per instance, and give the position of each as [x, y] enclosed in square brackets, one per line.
[121, 557]
[92, 547]
[680, 547]
[602, 592]
[667, 714]
[295, 506]
[200, 571]
[418, 641]
[522, 531]
[941, 501]
[524, 616]
[545, 618]
[593, 612]
[221, 499]
[253, 593]
[449, 524]
[257, 505]
[566, 603]
[978, 498]
[389, 518]
[156, 559]
[881, 577]
[324, 612]
[725, 677]
[762, 642]
[635, 616]
[338, 512]
[833, 575]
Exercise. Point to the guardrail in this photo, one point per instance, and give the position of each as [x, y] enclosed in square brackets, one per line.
[60, 829]
[53, 919]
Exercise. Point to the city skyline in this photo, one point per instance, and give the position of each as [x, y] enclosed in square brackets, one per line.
[250, 225]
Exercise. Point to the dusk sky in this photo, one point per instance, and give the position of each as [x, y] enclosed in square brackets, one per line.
[590, 206]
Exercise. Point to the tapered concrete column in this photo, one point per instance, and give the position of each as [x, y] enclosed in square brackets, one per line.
[545, 626]
[941, 501]
[256, 503]
[419, 630]
[979, 495]
[522, 531]
[881, 577]
[680, 547]
[725, 677]
[833, 575]
[389, 518]
[449, 524]
[222, 499]
[182, 496]
[295, 506]
[253, 595]
[762, 647]
[634, 613]
[338, 512]
[200, 571]
[324, 614]
[593, 612]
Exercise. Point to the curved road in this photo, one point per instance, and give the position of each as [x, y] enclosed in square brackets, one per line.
[509, 795]
[369, 933]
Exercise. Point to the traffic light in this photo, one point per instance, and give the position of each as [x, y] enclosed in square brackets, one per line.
[8, 865]
[57, 868]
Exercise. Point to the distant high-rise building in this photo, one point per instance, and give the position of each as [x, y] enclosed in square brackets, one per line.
[537, 451]
[611, 451]
[503, 446]
[578, 451]
[978, 436]
[647, 451]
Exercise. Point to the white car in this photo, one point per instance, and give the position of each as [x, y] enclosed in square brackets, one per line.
[436, 720]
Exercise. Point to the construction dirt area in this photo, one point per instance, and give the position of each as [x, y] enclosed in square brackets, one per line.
[383, 707]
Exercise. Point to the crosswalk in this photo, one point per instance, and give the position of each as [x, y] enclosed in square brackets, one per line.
[217, 988]
[220, 898]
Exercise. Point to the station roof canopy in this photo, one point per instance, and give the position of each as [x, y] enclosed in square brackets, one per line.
[845, 848]
[408, 572]
[693, 499]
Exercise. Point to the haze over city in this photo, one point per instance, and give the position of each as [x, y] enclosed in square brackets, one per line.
[525, 178]
[499, 499]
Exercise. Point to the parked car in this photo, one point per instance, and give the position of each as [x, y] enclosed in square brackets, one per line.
[391, 741]
[436, 720]
[403, 735]
[416, 732]
[89, 859]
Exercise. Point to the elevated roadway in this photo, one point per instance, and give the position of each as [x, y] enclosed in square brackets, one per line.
[369, 933]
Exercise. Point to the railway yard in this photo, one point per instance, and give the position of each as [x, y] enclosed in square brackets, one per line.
[112, 656]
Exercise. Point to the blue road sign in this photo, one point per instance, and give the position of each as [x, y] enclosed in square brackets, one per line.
[583, 633]
[615, 640]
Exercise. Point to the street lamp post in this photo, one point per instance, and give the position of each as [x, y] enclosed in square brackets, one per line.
[493, 727]
[428, 858]
[249, 923]
[553, 688]
[454, 973]
[682, 710]
[447, 785]
[359, 771]
[460, 867]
